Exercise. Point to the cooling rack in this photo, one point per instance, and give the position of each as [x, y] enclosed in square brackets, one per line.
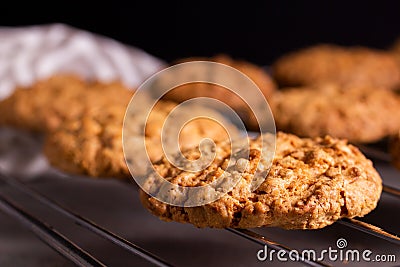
[81, 256]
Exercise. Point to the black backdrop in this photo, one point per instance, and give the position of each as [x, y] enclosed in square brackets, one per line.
[256, 32]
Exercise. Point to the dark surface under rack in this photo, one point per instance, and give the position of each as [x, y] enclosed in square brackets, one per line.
[101, 223]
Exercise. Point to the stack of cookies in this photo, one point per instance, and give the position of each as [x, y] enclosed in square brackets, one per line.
[335, 94]
[263, 81]
[347, 92]
[82, 122]
[328, 95]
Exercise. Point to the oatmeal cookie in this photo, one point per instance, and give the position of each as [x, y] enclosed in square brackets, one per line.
[311, 184]
[91, 144]
[46, 104]
[255, 73]
[357, 113]
[342, 65]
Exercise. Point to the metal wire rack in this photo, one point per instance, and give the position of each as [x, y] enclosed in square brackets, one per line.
[81, 257]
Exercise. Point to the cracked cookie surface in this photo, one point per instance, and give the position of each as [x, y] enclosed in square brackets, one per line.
[311, 184]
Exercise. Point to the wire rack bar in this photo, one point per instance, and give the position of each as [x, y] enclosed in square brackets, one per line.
[86, 223]
[391, 190]
[247, 234]
[370, 229]
[48, 235]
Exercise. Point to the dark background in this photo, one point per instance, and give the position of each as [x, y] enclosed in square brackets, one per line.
[256, 32]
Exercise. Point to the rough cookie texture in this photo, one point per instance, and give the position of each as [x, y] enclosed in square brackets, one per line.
[357, 113]
[46, 104]
[311, 184]
[394, 149]
[91, 144]
[255, 73]
[332, 63]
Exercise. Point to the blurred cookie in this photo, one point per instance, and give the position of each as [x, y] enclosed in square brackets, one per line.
[255, 73]
[311, 184]
[395, 51]
[394, 148]
[91, 144]
[190, 135]
[46, 104]
[357, 113]
[336, 64]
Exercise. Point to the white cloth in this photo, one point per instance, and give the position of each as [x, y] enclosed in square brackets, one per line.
[37, 52]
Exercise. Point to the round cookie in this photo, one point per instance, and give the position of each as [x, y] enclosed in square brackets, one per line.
[394, 149]
[357, 113]
[255, 73]
[91, 144]
[46, 104]
[311, 184]
[343, 65]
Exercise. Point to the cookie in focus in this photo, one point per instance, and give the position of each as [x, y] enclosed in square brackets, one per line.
[311, 184]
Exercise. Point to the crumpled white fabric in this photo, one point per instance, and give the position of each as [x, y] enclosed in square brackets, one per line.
[37, 52]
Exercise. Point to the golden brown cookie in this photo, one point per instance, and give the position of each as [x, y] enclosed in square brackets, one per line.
[91, 144]
[311, 184]
[255, 73]
[46, 104]
[394, 148]
[342, 65]
[357, 113]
